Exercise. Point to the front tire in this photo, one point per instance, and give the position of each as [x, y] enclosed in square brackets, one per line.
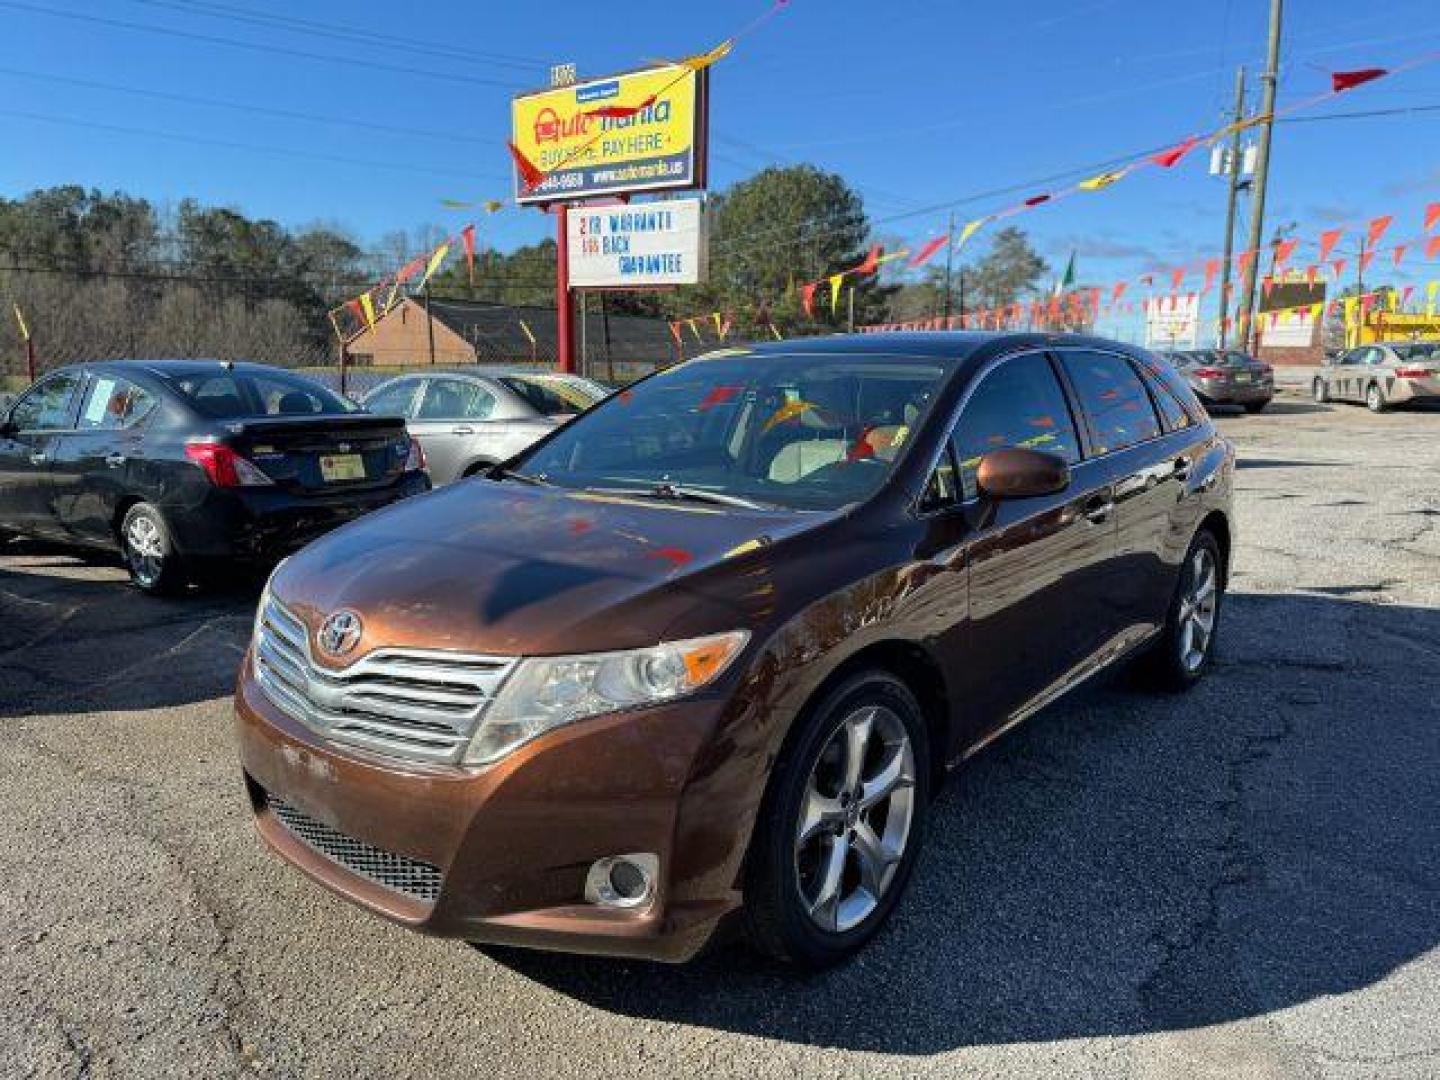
[841, 824]
[1186, 647]
[1254, 407]
[155, 566]
[1375, 399]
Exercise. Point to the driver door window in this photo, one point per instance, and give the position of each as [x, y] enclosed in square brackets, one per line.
[1018, 404]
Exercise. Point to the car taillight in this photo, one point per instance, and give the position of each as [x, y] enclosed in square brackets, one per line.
[1412, 372]
[1209, 373]
[415, 459]
[224, 466]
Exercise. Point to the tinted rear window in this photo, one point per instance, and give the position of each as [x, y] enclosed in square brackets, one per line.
[225, 395]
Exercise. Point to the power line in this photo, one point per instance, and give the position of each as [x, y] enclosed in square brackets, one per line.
[331, 32]
[236, 106]
[201, 140]
[266, 49]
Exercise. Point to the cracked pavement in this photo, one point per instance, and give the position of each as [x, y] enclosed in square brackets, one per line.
[1243, 880]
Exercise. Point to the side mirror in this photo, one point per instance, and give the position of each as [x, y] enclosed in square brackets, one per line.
[1018, 473]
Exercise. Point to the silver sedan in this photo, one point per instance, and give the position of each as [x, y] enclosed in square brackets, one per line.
[1384, 374]
[467, 421]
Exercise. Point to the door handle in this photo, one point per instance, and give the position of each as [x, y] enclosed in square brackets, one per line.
[1182, 468]
[115, 460]
[1097, 509]
[37, 457]
[463, 429]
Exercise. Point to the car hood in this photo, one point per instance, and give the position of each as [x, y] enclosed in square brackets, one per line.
[509, 569]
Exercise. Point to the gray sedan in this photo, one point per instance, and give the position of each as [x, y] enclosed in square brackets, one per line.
[1226, 377]
[466, 421]
[1381, 375]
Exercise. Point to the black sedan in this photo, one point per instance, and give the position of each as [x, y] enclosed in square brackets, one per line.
[1226, 378]
[188, 466]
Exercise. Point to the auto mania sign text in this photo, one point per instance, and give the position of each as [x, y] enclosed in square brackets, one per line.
[584, 153]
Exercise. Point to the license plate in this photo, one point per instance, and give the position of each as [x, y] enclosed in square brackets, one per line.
[342, 467]
[1243, 378]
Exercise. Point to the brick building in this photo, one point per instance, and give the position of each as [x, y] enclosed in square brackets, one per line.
[457, 332]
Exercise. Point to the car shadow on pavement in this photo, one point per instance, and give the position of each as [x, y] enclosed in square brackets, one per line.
[76, 636]
[1125, 863]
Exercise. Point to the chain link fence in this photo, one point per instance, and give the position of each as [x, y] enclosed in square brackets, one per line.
[76, 317]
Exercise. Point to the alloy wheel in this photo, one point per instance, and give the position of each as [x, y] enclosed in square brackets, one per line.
[144, 550]
[1198, 609]
[855, 818]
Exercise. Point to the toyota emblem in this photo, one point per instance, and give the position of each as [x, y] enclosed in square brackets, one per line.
[339, 633]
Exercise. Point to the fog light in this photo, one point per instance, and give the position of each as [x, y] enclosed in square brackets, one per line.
[622, 881]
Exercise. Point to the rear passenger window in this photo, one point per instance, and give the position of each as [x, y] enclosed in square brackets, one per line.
[1019, 403]
[1116, 405]
[114, 403]
[393, 400]
[455, 399]
[1172, 413]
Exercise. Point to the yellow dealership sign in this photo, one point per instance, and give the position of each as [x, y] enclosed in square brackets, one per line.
[643, 131]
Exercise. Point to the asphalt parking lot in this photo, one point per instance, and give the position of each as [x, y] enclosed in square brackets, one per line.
[1241, 881]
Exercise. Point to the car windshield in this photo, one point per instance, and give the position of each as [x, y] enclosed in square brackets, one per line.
[795, 430]
[551, 396]
[227, 395]
[1424, 351]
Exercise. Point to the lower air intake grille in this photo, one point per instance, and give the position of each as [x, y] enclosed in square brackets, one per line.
[398, 872]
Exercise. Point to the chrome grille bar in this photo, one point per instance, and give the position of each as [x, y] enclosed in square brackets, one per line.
[419, 704]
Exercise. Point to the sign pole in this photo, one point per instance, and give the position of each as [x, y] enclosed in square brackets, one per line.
[564, 310]
[30, 358]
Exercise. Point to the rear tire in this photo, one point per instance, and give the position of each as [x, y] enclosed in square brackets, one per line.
[841, 824]
[1375, 399]
[1186, 646]
[155, 566]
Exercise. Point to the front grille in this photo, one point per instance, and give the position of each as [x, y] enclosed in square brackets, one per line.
[419, 704]
[398, 872]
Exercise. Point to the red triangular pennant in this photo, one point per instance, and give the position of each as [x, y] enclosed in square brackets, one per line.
[1399, 254]
[1377, 229]
[1432, 247]
[1283, 250]
[1328, 240]
[807, 297]
[1168, 158]
[1348, 80]
[530, 176]
[1432, 215]
[931, 247]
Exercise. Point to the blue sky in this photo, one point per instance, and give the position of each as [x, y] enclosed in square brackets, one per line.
[918, 104]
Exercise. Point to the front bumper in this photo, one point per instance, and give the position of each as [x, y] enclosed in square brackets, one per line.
[512, 842]
[266, 523]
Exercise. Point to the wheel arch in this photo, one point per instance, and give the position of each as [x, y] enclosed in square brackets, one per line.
[922, 675]
[1218, 525]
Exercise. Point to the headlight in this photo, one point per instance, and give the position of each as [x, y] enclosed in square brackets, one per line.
[547, 692]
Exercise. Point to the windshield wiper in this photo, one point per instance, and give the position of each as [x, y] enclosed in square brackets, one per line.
[525, 478]
[663, 489]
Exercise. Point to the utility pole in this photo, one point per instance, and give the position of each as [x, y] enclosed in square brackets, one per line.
[430, 323]
[949, 263]
[1235, 156]
[1268, 80]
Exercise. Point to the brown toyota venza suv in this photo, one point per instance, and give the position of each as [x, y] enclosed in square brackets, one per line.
[700, 658]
